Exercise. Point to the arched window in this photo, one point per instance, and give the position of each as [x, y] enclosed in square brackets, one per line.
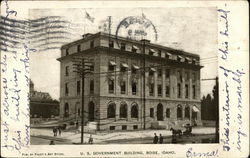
[66, 110]
[179, 112]
[91, 111]
[187, 112]
[123, 110]
[111, 110]
[134, 110]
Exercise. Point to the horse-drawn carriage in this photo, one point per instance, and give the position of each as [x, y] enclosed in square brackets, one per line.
[187, 132]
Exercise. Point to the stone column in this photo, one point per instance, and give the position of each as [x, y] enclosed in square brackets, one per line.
[190, 85]
[129, 112]
[155, 84]
[183, 84]
[164, 83]
[198, 85]
[117, 111]
[173, 84]
[146, 82]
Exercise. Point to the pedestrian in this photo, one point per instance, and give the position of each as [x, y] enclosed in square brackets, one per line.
[161, 139]
[55, 131]
[52, 142]
[155, 139]
[90, 139]
[174, 139]
[77, 125]
[59, 130]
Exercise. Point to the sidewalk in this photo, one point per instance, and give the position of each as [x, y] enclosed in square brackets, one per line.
[102, 137]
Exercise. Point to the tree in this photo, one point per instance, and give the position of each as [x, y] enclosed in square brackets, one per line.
[216, 108]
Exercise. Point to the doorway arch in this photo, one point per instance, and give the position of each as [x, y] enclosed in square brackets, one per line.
[91, 111]
[159, 112]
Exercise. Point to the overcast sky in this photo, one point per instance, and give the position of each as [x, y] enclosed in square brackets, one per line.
[194, 29]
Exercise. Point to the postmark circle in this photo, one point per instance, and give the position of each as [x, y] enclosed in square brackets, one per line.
[137, 28]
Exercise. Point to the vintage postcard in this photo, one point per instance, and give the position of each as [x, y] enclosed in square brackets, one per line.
[124, 78]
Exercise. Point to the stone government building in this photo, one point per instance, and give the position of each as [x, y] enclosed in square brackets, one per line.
[114, 92]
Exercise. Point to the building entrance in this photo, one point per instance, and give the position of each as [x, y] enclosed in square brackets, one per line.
[159, 112]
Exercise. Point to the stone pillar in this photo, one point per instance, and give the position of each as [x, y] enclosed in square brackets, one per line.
[183, 84]
[164, 83]
[155, 84]
[183, 111]
[129, 112]
[146, 82]
[117, 111]
[190, 85]
[155, 112]
[173, 84]
[198, 85]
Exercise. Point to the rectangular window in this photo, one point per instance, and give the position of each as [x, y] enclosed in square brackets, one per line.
[124, 127]
[159, 88]
[91, 88]
[111, 128]
[167, 113]
[167, 73]
[179, 76]
[151, 53]
[78, 87]
[167, 91]
[135, 127]
[159, 71]
[111, 66]
[66, 89]
[179, 90]
[111, 44]
[67, 71]
[91, 44]
[186, 76]
[151, 89]
[159, 53]
[124, 67]
[193, 78]
[123, 87]
[186, 90]
[111, 86]
[67, 51]
[194, 92]
[152, 112]
[134, 88]
[123, 46]
[134, 49]
[78, 48]
[133, 70]
[92, 67]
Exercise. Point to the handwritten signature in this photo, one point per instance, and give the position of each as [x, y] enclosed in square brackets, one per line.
[191, 153]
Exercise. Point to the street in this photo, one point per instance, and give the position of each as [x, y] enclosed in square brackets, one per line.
[43, 137]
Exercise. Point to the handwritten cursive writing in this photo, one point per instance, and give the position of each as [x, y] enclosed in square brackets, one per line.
[224, 16]
[191, 153]
[235, 78]
[226, 111]
[224, 32]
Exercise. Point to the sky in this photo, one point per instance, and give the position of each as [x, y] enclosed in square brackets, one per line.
[191, 29]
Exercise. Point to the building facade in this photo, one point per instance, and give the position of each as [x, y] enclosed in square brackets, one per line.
[41, 104]
[133, 84]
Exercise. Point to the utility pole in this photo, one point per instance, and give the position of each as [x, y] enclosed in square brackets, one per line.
[83, 67]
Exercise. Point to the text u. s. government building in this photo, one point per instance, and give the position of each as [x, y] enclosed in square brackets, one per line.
[115, 95]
